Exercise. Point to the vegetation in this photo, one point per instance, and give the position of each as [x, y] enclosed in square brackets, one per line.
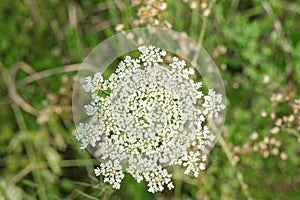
[254, 43]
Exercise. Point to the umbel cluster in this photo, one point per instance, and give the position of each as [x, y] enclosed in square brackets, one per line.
[146, 116]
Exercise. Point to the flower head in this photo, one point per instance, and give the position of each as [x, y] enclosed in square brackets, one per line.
[146, 116]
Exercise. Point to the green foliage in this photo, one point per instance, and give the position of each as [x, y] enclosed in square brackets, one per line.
[255, 46]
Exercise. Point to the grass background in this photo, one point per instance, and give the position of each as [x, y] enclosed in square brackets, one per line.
[254, 43]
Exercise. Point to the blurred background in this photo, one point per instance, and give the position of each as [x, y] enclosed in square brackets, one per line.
[254, 43]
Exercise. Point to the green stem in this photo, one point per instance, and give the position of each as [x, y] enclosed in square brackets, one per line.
[202, 31]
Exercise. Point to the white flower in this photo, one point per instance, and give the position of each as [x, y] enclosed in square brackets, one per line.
[112, 173]
[93, 83]
[148, 115]
[213, 104]
[88, 134]
[151, 55]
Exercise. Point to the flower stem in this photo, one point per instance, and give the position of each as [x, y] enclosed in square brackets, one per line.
[202, 31]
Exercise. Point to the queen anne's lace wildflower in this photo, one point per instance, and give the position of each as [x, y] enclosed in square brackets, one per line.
[146, 116]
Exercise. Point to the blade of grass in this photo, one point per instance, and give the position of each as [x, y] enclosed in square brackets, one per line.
[30, 152]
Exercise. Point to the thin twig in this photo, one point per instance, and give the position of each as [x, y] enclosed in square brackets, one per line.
[47, 73]
[13, 94]
[24, 66]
